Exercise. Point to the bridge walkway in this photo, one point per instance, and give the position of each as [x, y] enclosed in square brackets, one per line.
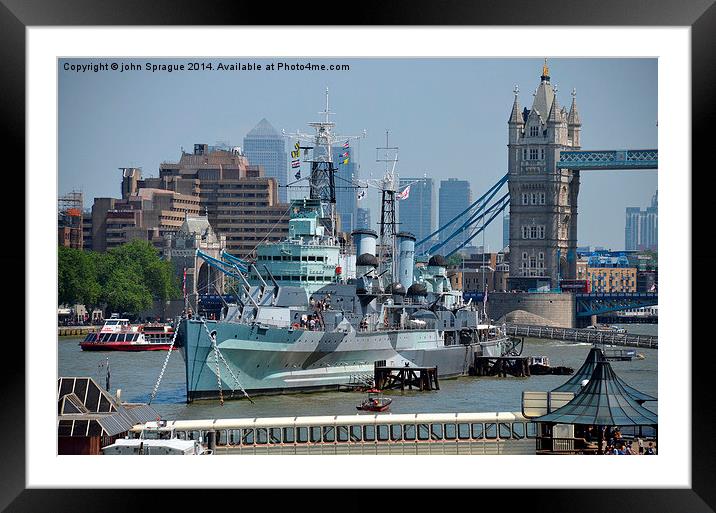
[583, 335]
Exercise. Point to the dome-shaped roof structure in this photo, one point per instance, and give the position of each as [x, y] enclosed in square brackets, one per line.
[367, 259]
[405, 235]
[395, 288]
[417, 289]
[365, 231]
[438, 260]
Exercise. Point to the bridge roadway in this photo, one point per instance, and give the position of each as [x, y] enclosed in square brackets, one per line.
[583, 335]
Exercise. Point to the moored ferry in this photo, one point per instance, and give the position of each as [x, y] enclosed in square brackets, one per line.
[119, 335]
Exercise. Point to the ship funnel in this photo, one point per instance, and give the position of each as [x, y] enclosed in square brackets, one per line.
[406, 258]
[365, 241]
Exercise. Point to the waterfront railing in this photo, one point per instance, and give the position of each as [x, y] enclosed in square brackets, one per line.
[584, 336]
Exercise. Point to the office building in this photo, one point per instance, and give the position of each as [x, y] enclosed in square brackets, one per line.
[363, 219]
[455, 197]
[238, 199]
[346, 191]
[264, 146]
[641, 227]
[416, 214]
[142, 213]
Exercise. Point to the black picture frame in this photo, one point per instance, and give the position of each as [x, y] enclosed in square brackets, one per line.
[700, 15]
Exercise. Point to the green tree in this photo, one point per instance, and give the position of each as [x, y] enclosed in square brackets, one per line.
[143, 260]
[455, 260]
[124, 291]
[124, 279]
[77, 277]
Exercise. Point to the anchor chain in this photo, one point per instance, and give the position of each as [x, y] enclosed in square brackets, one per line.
[226, 364]
[218, 370]
[164, 367]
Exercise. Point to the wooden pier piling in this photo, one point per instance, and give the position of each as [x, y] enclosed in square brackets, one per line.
[393, 378]
[501, 366]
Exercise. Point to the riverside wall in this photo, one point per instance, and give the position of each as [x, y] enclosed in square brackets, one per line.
[544, 309]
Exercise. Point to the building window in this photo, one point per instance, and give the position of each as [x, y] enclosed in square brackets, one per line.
[533, 153]
[534, 131]
[541, 198]
[524, 198]
[542, 154]
[524, 154]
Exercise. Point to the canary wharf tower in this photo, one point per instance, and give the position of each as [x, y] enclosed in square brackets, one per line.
[543, 198]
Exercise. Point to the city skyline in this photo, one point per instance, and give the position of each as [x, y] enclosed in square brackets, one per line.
[107, 122]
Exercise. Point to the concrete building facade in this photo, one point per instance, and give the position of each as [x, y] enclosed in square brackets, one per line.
[238, 199]
[543, 198]
[146, 214]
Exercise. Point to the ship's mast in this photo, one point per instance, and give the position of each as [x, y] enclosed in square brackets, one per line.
[321, 180]
[388, 218]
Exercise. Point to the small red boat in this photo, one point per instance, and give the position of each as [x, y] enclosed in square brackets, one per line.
[118, 335]
[375, 402]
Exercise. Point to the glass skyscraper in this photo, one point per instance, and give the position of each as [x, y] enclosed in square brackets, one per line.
[417, 213]
[641, 228]
[363, 218]
[264, 146]
[455, 197]
[505, 230]
[346, 191]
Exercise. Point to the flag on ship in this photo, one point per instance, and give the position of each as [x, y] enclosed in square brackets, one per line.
[297, 146]
[298, 175]
[295, 164]
[403, 195]
[345, 154]
[345, 144]
[295, 154]
[361, 195]
[345, 161]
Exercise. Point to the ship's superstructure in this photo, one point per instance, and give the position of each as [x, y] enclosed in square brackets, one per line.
[317, 311]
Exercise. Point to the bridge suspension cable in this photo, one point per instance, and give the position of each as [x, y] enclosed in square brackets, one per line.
[494, 188]
[497, 208]
[471, 221]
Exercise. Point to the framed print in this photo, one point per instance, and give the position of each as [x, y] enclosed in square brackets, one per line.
[268, 197]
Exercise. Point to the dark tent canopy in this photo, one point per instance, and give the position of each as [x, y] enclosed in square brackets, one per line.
[585, 372]
[604, 401]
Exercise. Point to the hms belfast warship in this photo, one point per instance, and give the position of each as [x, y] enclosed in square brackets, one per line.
[302, 323]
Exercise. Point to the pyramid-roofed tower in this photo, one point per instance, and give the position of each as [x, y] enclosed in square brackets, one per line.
[263, 129]
[544, 96]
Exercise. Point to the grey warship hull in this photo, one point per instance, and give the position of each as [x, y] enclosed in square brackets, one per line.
[271, 360]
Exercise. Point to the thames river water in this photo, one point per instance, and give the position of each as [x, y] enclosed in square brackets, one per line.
[136, 373]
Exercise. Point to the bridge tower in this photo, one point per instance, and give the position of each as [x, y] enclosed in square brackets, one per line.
[543, 198]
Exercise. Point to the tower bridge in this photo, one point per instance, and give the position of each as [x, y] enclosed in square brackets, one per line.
[545, 159]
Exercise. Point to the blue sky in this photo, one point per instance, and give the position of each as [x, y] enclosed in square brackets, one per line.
[448, 116]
